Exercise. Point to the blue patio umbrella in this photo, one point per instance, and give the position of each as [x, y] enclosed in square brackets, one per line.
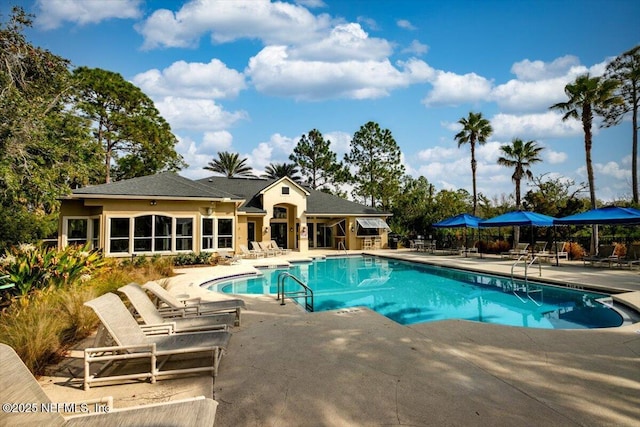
[606, 215]
[461, 220]
[518, 218]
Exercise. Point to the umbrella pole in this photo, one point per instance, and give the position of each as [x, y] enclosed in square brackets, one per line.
[555, 245]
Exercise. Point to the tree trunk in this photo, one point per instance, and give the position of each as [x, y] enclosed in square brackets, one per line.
[516, 229]
[634, 149]
[473, 176]
[587, 117]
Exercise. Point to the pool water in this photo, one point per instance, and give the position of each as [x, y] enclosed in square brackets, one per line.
[410, 293]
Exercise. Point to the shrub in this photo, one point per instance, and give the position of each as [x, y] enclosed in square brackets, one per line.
[192, 259]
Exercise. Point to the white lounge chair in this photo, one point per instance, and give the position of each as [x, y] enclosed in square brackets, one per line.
[132, 343]
[226, 257]
[521, 249]
[248, 253]
[258, 247]
[19, 387]
[194, 306]
[282, 251]
[171, 321]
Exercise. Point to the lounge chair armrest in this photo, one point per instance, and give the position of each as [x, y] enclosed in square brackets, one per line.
[190, 301]
[204, 328]
[169, 312]
[167, 328]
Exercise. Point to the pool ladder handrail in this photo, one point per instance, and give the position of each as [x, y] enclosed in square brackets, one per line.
[526, 277]
[307, 292]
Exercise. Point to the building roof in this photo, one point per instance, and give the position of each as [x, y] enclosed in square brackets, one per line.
[162, 185]
[249, 191]
[318, 202]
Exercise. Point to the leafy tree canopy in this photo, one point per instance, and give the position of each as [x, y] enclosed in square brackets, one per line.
[230, 165]
[318, 164]
[280, 170]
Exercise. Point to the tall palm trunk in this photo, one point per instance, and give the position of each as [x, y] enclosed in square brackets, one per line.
[516, 229]
[473, 175]
[587, 118]
[634, 152]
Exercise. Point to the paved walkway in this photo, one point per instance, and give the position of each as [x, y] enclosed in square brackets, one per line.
[352, 367]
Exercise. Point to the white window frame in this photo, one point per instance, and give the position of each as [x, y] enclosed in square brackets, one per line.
[131, 238]
[216, 233]
[90, 237]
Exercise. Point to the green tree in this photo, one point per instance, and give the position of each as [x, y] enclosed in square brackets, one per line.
[230, 165]
[44, 148]
[280, 170]
[475, 129]
[586, 95]
[318, 164]
[375, 156]
[626, 70]
[413, 205]
[126, 122]
[520, 156]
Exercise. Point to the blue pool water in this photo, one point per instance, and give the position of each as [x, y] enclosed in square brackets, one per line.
[412, 293]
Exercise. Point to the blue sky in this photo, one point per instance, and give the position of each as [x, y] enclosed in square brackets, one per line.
[253, 76]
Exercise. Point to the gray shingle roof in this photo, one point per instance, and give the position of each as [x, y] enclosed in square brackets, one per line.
[166, 184]
[318, 202]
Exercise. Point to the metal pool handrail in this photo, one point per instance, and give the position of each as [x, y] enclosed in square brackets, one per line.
[307, 292]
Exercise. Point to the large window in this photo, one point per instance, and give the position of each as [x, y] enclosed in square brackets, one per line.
[217, 233]
[150, 233]
[79, 231]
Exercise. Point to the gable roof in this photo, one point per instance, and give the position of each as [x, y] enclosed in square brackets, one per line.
[162, 185]
[318, 202]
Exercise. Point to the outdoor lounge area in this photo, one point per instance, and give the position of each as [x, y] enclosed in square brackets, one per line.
[451, 372]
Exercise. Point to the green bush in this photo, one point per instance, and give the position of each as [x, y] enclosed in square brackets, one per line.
[32, 267]
[192, 259]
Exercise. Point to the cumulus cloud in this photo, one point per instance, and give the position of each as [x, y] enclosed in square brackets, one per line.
[405, 24]
[260, 156]
[273, 72]
[534, 126]
[529, 71]
[192, 80]
[450, 89]
[416, 48]
[340, 142]
[273, 23]
[344, 42]
[197, 114]
[553, 157]
[438, 153]
[311, 3]
[613, 170]
[213, 142]
[52, 13]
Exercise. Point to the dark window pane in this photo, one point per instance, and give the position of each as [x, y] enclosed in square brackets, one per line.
[207, 227]
[119, 227]
[142, 226]
[162, 244]
[163, 226]
[225, 227]
[119, 246]
[142, 245]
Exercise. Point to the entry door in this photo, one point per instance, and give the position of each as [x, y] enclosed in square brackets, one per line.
[279, 233]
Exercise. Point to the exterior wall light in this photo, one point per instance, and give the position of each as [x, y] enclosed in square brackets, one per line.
[153, 203]
[353, 229]
[266, 230]
[209, 210]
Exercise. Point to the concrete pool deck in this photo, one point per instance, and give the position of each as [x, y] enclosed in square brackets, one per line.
[354, 367]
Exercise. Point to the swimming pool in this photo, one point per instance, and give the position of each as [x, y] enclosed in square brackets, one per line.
[411, 293]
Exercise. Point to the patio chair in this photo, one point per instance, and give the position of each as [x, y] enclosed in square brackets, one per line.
[257, 248]
[194, 306]
[159, 322]
[540, 247]
[560, 249]
[267, 249]
[631, 258]
[131, 343]
[249, 253]
[520, 250]
[19, 387]
[605, 255]
[367, 243]
[275, 246]
[226, 257]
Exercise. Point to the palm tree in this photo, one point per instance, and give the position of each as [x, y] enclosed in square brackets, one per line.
[520, 156]
[280, 170]
[230, 165]
[587, 94]
[474, 129]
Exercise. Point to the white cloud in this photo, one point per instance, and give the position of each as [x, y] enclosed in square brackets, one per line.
[438, 153]
[528, 71]
[533, 126]
[516, 95]
[405, 24]
[213, 142]
[340, 142]
[52, 13]
[416, 48]
[273, 72]
[344, 42]
[613, 170]
[311, 3]
[450, 89]
[260, 156]
[196, 114]
[194, 158]
[193, 80]
[277, 22]
[554, 157]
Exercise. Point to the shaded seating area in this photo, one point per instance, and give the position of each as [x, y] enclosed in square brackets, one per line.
[194, 306]
[631, 258]
[20, 387]
[606, 255]
[521, 249]
[171, 321]
[122, 343]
